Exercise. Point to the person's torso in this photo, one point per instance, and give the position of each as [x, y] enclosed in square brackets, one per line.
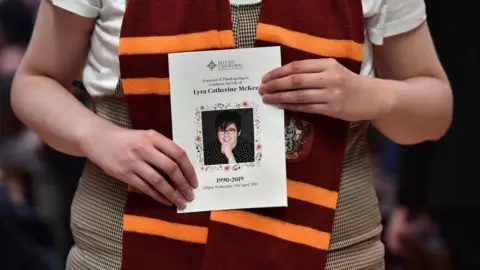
[97, 209]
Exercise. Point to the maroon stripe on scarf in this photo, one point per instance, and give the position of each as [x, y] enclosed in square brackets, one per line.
[154, 252]
[169, 18]
[252, 250]
[144, 66]
[145, 115]
[306, 17]
[320, 218]
[224, 15]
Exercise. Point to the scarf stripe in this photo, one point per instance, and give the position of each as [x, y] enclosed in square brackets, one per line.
[296, 190]
[162, 252]
[274, 227]
[311, 44]
[278, 254]
[146, 112]
[177, 231]
[312, 194]
[199, 16]
[179, 43]
[326, 47]
[224, 18]
[145, 86]
[138, 71]
[297, 217]
[148, 209]
[309, 18]
[138, 64]
[134, 221]
[310, 198]
[290, 54]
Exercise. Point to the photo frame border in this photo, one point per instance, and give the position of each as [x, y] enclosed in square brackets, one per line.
[257, 131]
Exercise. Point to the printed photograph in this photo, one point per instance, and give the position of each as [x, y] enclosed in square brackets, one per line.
[228, 136]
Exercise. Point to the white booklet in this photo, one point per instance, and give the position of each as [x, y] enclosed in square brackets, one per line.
[235, 141]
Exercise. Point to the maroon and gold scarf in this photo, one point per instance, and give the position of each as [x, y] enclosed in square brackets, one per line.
[296, 237]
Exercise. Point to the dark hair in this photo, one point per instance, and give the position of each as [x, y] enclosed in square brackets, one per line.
[227, 117]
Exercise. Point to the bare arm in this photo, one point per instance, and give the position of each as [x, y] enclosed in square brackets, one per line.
[416, 87]
[411, 102]
[40, 98]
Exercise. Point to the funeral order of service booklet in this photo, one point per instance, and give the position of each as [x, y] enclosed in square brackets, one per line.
[235, 141]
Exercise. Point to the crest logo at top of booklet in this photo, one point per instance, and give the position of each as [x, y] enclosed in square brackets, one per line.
[224, 65]
[212, 65]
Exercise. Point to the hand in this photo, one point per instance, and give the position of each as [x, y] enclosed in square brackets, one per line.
[397, 229]
[133, 156]
[323, 86]
[227, 149]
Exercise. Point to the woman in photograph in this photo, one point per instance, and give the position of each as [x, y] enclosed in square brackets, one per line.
[122, 214]
[229, 147]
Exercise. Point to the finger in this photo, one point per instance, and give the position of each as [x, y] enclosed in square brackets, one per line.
[159, 183]
[174, 152]
[296, 67]
[297, 96]
[392, 243]
[170, 168]
[147, 189]
[293, 82]
[307, 108]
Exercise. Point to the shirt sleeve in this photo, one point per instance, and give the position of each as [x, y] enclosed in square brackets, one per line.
[403, 16]
[84, 8]
[394, 17]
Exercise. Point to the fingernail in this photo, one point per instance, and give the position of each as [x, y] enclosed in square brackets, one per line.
[265, 99]
[266, 77]
[195, 183]
[262, 88]
[181, 203]
[190, 195]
